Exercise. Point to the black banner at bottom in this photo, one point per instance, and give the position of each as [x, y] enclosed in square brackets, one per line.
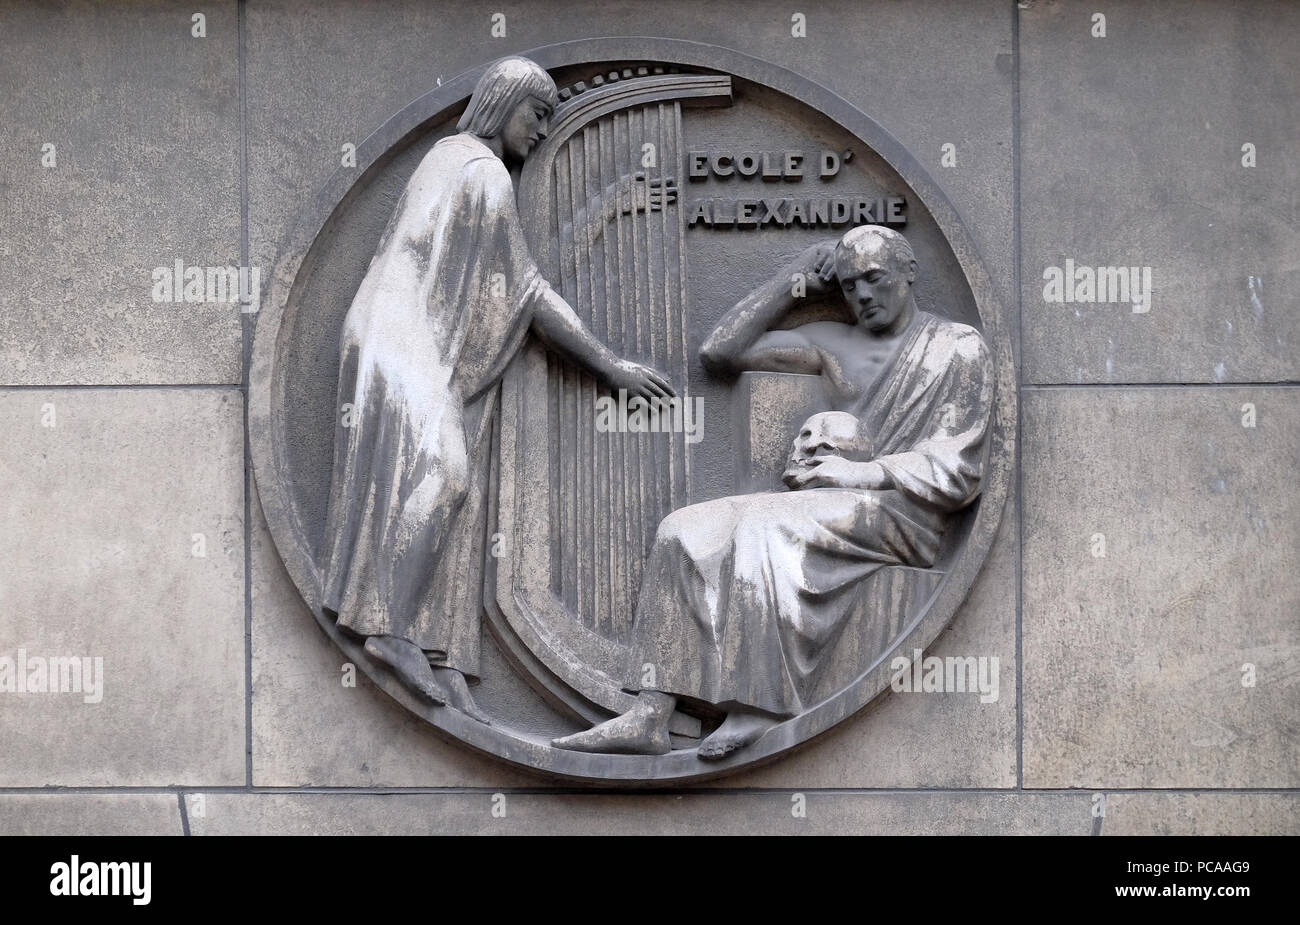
[130, 875]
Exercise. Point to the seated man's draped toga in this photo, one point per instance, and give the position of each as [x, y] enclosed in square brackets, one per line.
[443, 308]
[742, 596]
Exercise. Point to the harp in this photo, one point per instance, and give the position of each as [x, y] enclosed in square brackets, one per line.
[577, 506]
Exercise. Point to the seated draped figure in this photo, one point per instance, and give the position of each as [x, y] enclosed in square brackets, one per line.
[742, 596]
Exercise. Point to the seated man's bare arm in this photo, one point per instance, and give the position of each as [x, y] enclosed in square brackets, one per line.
[782, 352]
[743, 339]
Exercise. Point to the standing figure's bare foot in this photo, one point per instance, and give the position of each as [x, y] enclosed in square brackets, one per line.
[642, 730]
[740, 728]
[458, 696]
[408, 662]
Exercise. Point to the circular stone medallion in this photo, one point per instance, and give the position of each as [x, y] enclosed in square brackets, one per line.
[705, 171]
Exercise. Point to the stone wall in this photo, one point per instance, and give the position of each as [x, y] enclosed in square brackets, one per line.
[1143, 596]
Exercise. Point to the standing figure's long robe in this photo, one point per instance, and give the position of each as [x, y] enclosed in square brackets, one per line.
[742, 596]
[444, 306]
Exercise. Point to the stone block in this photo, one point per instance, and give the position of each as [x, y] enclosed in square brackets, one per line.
[1202, 814]
[1161, 587]
[486, 813]
[123, 548]
[1132, 156]
[143, 120]
[769, 408]
[93, 814]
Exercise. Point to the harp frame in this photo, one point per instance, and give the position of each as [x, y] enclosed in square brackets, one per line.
[568, 662]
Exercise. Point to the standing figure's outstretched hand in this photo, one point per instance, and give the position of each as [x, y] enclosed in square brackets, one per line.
[640, 381]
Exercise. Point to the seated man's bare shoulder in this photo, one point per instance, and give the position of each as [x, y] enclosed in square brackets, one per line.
[849, 354]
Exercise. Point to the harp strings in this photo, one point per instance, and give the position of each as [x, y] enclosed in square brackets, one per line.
[611, 489]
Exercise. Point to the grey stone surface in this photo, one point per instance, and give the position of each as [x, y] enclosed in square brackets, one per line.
[311, 730]
[1202, 814]
[89, 814]
[1133, 663]
[144, 118]
[1131, 156]
[694, 814]
[316, 82]
[769, 409]
[101, 512]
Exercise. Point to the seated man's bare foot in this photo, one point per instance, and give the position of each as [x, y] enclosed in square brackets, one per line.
[642, 730]
[408, 662]
[458, 696]
[740, 728]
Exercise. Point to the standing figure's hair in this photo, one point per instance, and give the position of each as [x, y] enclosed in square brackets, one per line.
[504, 85]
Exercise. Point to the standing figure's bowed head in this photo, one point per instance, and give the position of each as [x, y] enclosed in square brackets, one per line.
[495, 110]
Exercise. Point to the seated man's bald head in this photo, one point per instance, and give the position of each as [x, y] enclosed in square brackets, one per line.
[876, 268]
[859, 245]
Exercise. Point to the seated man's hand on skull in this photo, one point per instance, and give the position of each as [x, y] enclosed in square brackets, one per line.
[827, 451]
